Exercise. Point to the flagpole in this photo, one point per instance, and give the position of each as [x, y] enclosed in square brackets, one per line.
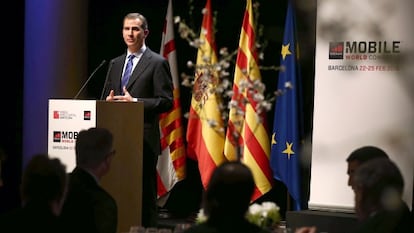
[288, 205]
[238, 149]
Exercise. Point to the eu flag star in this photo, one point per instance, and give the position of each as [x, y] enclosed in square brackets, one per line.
[285, 51]
[274, 138]
[288, 149]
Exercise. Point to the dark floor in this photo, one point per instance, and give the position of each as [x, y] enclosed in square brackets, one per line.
[184, 201]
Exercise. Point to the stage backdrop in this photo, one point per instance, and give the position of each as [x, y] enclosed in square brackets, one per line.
[363, 93]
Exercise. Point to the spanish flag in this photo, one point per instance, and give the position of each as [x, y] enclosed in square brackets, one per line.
[246, 137]
[205, 129]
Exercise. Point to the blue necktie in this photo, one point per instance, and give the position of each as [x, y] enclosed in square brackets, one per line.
[127, 73]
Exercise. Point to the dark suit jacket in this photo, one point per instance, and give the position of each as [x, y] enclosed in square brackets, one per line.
[88, 207]
[33, 217]
[397, 221]
[151, 83]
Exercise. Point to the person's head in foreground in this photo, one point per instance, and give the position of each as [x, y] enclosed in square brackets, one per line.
[94, 151]
[378, 186]
[229, 191]
[360, 156]
[44, 182]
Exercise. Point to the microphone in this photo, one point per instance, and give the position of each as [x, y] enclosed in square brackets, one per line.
[106, 79]
[89, 79]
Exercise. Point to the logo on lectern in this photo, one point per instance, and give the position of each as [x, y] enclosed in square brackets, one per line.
[63, 115]
[65, 136]
[87, 115]
[55, 114]
[57, 135]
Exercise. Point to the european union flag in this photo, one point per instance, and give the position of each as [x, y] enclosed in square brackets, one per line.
[287, 126]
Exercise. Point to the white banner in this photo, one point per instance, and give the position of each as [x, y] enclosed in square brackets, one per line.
[363, 92]
[66, 119]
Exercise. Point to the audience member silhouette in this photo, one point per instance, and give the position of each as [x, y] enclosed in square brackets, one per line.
[88, 207]
[360, 156]
[355, 160]
[378, 186]
[226, 200]
[43, 188]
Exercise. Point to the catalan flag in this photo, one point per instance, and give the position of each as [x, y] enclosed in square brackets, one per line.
[205, 130]
[171, 166]
[287, 126]
[246, 137]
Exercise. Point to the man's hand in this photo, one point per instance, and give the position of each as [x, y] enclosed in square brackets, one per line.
[124, 98]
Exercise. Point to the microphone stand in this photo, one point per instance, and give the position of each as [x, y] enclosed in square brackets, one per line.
[89, 78]
[106, 80]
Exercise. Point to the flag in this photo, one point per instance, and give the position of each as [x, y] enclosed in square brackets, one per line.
[171, 166]
[287, 126]
[205, 129]
[246, 134]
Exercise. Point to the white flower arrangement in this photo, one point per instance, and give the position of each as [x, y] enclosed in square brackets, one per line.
[201, 217]
[265, 215]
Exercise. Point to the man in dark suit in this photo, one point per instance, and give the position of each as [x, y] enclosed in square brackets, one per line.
[88, 207]
[142, 75]
[378, 185]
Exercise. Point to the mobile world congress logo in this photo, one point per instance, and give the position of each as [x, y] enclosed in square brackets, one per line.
[87, 115]
[65, 136]
[364, 50]
[57, 136]
[336, 50]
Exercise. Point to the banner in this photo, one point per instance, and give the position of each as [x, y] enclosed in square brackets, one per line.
[363, 93]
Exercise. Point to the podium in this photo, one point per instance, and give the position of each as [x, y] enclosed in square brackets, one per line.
[126, 121]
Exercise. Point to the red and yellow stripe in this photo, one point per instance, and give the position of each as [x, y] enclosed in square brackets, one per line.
[253, 140]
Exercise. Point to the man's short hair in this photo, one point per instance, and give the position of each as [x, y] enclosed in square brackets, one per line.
[44, 179]
[139, 16]
[230, 189]
[93, 146]
[366, 153]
